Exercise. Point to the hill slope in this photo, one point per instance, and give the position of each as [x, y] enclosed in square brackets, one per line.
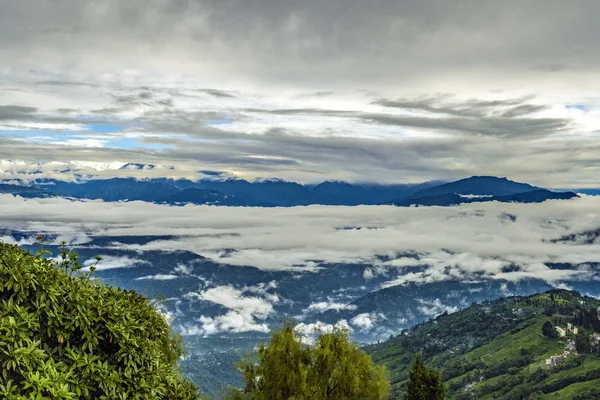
[496, 350]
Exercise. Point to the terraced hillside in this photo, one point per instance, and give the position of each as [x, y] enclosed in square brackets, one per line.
[499, 349]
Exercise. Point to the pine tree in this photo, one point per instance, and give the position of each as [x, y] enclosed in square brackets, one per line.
[424, 383]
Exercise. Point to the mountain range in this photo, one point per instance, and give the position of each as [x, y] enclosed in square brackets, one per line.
[279, 193]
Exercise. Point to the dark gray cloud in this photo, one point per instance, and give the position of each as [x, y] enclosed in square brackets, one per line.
[310, 42]
[487, 126]
[16, 112]
[445, 105]
[503, 118]
[217, 93]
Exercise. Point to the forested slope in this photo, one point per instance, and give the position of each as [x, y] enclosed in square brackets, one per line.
[498, 350]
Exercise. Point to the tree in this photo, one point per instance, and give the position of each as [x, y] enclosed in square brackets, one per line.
[332, 368]
[549, 331]
[583, 344]
[65, 336]
[424, 383]
[340, 370]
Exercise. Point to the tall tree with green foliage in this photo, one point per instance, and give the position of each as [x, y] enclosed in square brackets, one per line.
[332, 368]
[424, 383]
[65, 336]
[583, 344]
[549, 331]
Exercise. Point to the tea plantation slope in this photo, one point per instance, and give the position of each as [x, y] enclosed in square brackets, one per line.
[497, 350]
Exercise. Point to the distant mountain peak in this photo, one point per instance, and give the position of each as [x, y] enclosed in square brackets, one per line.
[478, 189]
[478, 185]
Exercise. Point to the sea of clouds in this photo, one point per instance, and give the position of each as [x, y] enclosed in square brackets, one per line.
[454, 242]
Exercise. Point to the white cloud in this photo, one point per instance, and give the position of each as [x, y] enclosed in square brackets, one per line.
[364, 321]
[232, 298]
[422, 244]
[157, 277]
[245, 312]
[183, 269]
[329, 305]
[21, 242]
[309, 332]
[169, 316]
[112, 262]
[435, 307]
[233, 321]
[368, 321]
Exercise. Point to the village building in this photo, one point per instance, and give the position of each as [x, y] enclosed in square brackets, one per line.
[553, 361]
[569, 351]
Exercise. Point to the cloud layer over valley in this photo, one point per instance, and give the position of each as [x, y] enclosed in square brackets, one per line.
[404, 244]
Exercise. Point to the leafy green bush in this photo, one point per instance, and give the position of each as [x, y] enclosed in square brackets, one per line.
[331, 369]
[65, 336]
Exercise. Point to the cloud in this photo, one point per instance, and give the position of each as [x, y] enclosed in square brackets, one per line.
[112, 262]
[364, 321]
[435, 307]
[467, 242]
[157, 277]
[245, 312]
[233, 321]
[168, 315]
[309, 332]
[232, 298]
[323, 306]
[305, 91]
[314, 44]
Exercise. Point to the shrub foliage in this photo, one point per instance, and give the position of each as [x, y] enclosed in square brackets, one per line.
[63, 335]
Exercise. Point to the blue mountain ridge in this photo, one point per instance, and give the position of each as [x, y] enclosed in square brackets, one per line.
[279, 193]
[481, 189]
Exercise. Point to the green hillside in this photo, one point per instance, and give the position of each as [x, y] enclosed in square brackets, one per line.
[498, 350]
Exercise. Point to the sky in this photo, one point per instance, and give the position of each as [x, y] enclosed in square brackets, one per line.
[385, 91]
